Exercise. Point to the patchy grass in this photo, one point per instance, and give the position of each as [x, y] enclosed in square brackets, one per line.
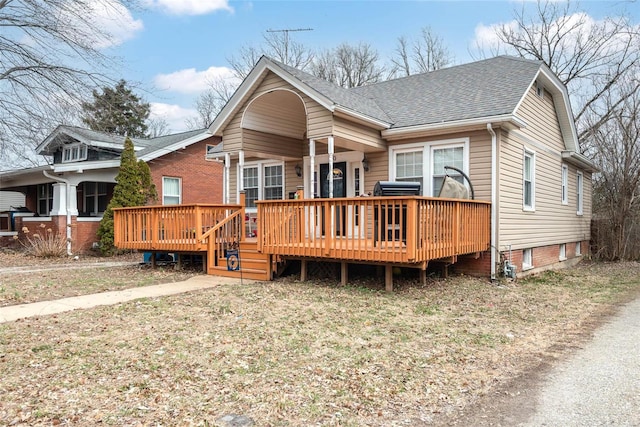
[287, 353]
[53, 278]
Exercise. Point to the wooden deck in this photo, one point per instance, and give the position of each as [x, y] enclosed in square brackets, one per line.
[409, 231]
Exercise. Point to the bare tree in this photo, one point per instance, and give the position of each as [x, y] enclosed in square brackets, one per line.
[427, 53]
[278, 45]
[349, 66]
[157, 126]
[49, 54]
[211, 101]
[616, 196]
[590, 57]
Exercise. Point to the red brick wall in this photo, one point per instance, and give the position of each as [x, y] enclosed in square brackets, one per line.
[84, 233]
[201, 180]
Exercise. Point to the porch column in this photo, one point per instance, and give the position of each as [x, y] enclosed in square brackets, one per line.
[227, 170]
[64, 202]
[312, 166]
[240, 184]
[331, 153]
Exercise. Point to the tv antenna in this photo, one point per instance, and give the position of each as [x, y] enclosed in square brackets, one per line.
[286, 32]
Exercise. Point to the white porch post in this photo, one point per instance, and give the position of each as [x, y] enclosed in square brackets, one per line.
[64, 199]
[331, 152]
[241, 172]
[227, 170]
[312, 166]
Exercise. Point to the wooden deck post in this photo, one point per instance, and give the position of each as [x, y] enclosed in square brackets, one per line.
[243, 203]
[344, 273]
[303, 270]
[388, 278]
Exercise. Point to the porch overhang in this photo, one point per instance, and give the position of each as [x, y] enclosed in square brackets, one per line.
[507, 121]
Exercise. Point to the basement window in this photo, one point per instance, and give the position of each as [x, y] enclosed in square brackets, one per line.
[527, 259]
[563, 252]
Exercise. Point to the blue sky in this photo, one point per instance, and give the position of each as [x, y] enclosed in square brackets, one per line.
[171, 47]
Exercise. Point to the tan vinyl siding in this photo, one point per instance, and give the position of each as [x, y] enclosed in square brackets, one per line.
[542, 123]
[271, 145]
[551, 222]
[378, 170]
[291, 180]
[355, 132]
[319, 120]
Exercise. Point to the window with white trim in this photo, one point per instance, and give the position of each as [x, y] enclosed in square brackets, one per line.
[74, 153]
[579, 193]
[563, 252]
[424, 163]
[565, 185]
[262, 181]
[409, 166]
[441, 157]
[578, 248]
[45, 199]
[527, 259]
[171, 190]
[528, 181]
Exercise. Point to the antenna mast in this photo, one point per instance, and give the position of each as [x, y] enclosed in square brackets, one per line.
[286, 32]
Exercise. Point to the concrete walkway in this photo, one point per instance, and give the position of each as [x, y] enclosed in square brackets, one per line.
[15, 312]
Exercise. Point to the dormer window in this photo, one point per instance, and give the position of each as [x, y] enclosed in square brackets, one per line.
[74, 153]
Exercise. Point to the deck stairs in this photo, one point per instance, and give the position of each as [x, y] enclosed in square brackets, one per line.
[252, 264]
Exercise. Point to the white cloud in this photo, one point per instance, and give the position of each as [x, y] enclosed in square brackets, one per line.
[190, 80]
[174, 115]
[109, 23]
[190, 7]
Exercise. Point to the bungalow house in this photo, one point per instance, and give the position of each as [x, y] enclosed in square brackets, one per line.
[300, 155]
[71, 194]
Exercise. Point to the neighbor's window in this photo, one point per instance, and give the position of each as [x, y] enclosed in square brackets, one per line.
[579, 193]
[74, 153]
[45, 199]
[171, 194]
[565, 184]
[528, 181]
[95, 197]
[527, 258]
[563, 252]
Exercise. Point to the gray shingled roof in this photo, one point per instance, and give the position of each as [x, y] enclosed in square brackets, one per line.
[485, 88]
[145, 145]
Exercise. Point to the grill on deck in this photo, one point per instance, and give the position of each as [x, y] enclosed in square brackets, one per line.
[396, 188]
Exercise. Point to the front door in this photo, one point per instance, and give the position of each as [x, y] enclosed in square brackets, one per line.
[339, 190]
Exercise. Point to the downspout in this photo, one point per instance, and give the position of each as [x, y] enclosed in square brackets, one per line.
[68, 208]
[494, 199]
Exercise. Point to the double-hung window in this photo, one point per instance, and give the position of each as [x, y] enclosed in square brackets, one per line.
[565, 185]
[171, 191]
[441, 157]
[579, 193]
[425, 163]
[528, 181]
[45, 199]
[409, 166]
[262, 181]
[95, 197]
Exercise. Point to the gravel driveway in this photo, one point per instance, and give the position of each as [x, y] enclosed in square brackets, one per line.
[599, 385]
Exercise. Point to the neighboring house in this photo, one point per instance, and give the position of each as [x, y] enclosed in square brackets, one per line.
[506, 122]
[73, 192]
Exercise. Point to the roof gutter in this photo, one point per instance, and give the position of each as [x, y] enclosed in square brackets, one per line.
[509, 120]
[579, 160]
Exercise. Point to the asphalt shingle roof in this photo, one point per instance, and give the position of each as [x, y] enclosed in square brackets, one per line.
[479, 89]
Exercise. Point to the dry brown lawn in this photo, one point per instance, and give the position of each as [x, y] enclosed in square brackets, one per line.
[287, 353]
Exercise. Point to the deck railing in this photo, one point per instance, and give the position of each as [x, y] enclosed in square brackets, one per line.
[378, 229]
[167, 228]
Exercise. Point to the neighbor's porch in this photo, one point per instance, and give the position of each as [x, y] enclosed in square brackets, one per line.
[406, 231]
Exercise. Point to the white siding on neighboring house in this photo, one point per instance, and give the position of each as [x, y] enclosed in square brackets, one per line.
[11, 199]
